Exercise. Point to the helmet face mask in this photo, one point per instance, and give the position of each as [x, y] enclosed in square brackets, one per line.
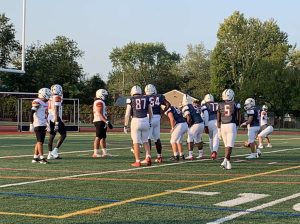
[249, 103]
[208, 98]
[101, 94]
[57, 90]
[44, 93]
[135, 90]
[150, 89]
[228, 95]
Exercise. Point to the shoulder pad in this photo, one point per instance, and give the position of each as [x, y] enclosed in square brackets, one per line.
[238, 106]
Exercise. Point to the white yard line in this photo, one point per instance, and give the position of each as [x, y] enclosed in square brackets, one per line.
[195, 192]
[260, 207]
[114, 171]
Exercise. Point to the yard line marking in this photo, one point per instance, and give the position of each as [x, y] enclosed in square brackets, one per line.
[250, 210]
[272, 163]
[62, 153]
[195, 192]
[112, 171]
[30, 215]
[242, 199]
[239, 161]
[167, 193]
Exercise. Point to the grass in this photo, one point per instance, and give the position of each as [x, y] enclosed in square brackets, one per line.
[80, 189]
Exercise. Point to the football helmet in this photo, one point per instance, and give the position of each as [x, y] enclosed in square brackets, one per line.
[101, 94]
[208, 98]
[57, 90]
[264, 108]
[249, 103]
[136, 90]
[186, 99]
[203, 102]
[228, 95]
[150, 89]
[44, 93]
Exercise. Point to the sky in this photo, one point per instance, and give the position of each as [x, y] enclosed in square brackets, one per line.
[99, 26]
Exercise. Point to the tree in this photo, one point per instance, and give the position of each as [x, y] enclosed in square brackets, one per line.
[194, 70]
[141, 64]
[9, 47]
[247, 52]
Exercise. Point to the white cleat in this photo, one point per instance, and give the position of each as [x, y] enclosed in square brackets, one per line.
[260, 146]
[54, 153]
[258, 153]
[228, 165]
[252, 156]
[269, 146]
[50, 156]
[224, 164]
[189, 158]
[201, 156]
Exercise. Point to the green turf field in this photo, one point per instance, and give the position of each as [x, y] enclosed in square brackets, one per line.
[80, 189]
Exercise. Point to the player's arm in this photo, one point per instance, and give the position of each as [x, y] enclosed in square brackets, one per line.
[150, 113]
[34, 107]
[249, 120]
[187, 115]
[172, 120]
[127, 113]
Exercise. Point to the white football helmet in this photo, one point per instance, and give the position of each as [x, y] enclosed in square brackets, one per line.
[249, 103]
[228, 95]
[44, 93]
[186, 99]
[150, 89]
[57, 90]
[101, 94]
[264, 108]
[203, 102]
[136, 90]
[208, 98]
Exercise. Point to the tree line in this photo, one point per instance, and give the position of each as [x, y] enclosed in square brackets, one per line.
[252, 57]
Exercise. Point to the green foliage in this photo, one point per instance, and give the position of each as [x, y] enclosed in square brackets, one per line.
[247, 52]
[194, 71]
[141, 64]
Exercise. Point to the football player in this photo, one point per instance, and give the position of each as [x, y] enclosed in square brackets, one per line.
[158, 103]
[178, 128]
[265, 129]
[228, 114]
[192, 114]
[101, 123]
[253, 126]
[38, 118]
[138, 107]
[211, 129]
[55, 121]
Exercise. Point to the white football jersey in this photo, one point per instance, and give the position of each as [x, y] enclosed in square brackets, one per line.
[97, 111]
[40, 115]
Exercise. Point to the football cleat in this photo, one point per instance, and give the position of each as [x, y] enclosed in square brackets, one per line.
[269, 146]
[201, 156]
[182, 157]
[35, 160]
[258, 153]
[96, 155]
[136, 164]
[104, 155]
[43, 161]
[228, 165]
[224, 164]
[252, 156]
[260, 146]
[54, 153]
[174, 158]
[50, 156]
[213, 155]
[159, 160]
[190, 158]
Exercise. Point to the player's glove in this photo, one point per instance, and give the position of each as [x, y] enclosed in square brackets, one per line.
[219, 133]
[125, 129]
[56, 126]
[109, 124]
[31, 128]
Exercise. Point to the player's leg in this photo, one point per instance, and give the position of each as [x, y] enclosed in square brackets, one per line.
[96, 144]
[63, 134]
[40, 132]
